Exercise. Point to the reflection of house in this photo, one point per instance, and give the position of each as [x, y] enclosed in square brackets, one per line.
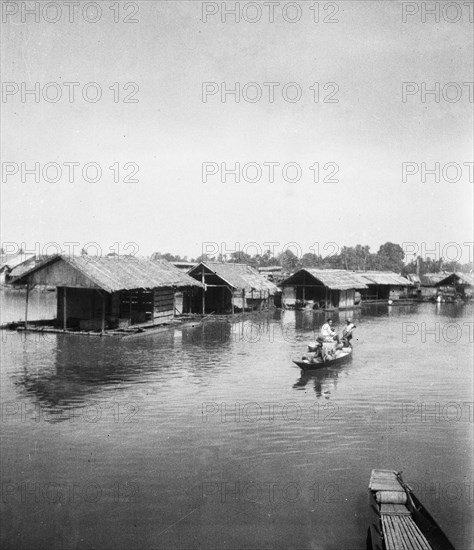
[325, 288]
[383, 285]
[95, 293]
[14, 265]
[456, 285]
[229, 286]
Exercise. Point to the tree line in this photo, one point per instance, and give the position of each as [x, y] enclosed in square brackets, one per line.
[389, 257]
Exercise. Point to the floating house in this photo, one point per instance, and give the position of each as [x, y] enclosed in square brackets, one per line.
[383, 286]
[15, 264]
[322, 288]
[229, 287]
[456, 285]
[272, 273]
[99, 293]
[424, 286]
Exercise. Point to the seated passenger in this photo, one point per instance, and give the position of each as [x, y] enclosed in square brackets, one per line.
[318, 354]
[328, 333]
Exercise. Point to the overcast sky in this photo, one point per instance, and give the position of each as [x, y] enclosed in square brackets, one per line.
[170, 132]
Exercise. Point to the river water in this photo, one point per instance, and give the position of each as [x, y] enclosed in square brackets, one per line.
[208, 437]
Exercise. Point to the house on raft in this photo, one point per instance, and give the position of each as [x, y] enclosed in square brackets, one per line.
[382, 286]
[322, 289]
[229, 287]
[424, 286]
[455, 286]
[273, 273]
[107, 293]
[15, 264]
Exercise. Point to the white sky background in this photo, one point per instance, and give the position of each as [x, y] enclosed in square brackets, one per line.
[170, 132]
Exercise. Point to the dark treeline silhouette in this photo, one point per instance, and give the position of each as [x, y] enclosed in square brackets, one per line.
[389, 257]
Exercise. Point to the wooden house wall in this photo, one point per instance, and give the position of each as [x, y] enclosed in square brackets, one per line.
[61, 274]
[163, 309]
[398, 292]
[346, 298]
[428, 291]
[179, 303]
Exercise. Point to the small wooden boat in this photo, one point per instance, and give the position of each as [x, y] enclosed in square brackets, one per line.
[398, 519]
[340, 356]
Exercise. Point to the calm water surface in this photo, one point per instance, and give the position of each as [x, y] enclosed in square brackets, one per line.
[208, 436]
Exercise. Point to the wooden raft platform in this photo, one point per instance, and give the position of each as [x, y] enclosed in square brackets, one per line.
[400, 532]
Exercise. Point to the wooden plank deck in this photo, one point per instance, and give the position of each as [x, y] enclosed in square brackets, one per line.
[400, 532]
[394, 510]
[384, 480]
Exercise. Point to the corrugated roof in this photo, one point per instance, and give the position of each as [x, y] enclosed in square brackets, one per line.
[335, 279]
[240, 276]
[113, 274]
[384, 278]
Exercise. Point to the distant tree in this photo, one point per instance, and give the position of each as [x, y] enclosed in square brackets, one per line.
[310, 260]
[423, 266]
[288, 260]
[390, 258]
[240, 257]
[205, 258]
[451, 267]
[166, 256]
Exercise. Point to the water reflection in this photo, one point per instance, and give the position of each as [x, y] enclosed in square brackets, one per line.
[351, 420]
[72, 380]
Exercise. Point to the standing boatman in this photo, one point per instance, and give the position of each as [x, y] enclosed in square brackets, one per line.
[347, 332]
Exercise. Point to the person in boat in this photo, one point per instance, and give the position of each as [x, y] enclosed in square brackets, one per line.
[347, 333]
[318, 353]
[328, 333]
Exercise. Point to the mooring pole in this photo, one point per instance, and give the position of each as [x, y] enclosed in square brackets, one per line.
[26, 304]
[103, 313]
[203, 291]
[65, 309]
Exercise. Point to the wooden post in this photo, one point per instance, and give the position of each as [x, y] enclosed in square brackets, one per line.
[26, 304]
[103, 312]
[243, 300]
[232, 300]
[64, 308]
[203, 291]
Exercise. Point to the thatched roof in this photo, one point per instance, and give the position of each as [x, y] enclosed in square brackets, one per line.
[125, 273]
[431, 279]
[412, 277]
[238, 276]
[11, 261]
[335, 279]
[457, 278]
[384, 278]
[340, 279]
